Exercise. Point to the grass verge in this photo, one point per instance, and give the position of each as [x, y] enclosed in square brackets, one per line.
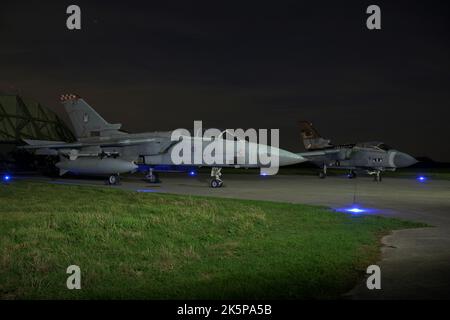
[156, 246]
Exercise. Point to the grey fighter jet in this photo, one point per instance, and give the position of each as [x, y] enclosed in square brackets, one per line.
[103, 149]
[368, 157]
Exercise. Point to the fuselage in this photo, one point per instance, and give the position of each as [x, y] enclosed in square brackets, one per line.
[365, 156]
[158, 148]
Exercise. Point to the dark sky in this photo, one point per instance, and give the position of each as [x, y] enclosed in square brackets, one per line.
[160, 65]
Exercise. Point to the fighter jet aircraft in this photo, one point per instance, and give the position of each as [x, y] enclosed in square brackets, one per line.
[369, 157]
[103, 149]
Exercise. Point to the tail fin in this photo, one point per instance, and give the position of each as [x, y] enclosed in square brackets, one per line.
[85, 120]
[311, 138]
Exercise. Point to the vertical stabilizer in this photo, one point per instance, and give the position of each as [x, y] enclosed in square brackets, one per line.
[85, 120]
[311, 138]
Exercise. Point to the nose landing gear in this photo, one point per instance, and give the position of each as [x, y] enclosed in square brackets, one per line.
[216, 182]
[377, 176]
[152, 177]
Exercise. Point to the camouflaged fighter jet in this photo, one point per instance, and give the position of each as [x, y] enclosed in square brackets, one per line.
[103, 149]
[368, 157]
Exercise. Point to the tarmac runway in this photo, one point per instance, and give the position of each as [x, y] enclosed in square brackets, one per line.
[415, 263]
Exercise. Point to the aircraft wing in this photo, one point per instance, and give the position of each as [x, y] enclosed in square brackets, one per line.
[43, 144]
[318, 153]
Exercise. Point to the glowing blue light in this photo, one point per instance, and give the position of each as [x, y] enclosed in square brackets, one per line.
[421, 178]
[354, 209]
[192, 173]
[6, 178]
[263, 174]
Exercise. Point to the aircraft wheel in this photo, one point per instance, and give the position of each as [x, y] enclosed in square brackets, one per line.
[352, 175]
[322, 175]
[215, 183]
[113, 179]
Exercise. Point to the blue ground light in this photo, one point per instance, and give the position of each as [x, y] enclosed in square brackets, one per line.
[356, 210]
[422, 178]
[192, 173]
[6, 178]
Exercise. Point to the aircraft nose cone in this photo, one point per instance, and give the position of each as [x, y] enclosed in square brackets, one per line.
[403, 160]
[288, 158]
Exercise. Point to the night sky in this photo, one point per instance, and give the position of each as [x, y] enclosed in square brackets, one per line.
[160, 65]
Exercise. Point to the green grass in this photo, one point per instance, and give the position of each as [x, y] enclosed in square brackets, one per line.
[155, 246]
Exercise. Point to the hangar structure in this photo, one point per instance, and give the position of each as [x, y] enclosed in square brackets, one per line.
[23, 118]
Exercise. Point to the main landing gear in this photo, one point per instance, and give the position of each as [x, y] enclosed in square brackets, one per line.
[113, 179]
[351, 174]
[216, 182]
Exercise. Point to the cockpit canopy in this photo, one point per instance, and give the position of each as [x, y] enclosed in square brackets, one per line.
[384, 146]
[375, 144]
